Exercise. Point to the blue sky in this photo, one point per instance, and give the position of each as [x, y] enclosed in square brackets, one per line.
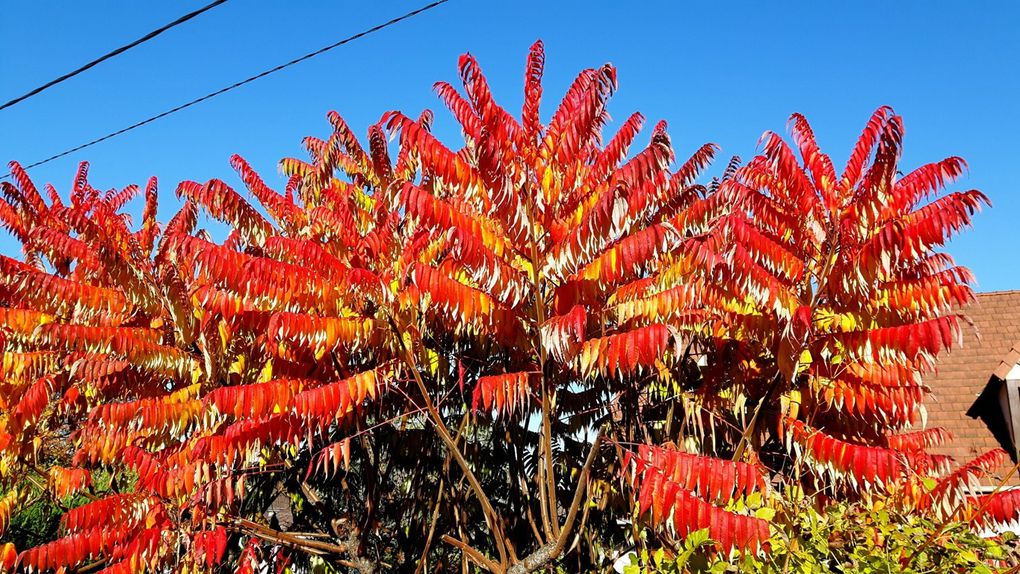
[719, 72]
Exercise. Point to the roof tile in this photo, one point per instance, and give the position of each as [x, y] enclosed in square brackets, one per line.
[990, 347]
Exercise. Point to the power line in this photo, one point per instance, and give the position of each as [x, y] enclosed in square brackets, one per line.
[116, 52]
[234, 86]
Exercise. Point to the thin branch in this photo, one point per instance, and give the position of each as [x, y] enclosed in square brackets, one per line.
[472, 554]
[491, 517]
[546, 554]
[311, 546]
[547, 476]
[439, 498]
[432, 528]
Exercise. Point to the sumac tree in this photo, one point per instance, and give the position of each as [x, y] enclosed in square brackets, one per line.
[418, 357]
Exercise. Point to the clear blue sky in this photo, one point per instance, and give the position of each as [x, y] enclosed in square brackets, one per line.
[721, 72]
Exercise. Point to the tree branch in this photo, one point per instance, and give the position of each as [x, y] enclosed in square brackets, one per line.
[550, 513]
[472, 554]
[439, 498]
[491, 517]
[546, 554]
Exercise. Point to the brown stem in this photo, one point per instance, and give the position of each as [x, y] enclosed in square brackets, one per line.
[551, 512]
[432, 529]
[91, 567]
[491, 517]
[311, 546]
[551, 551]
[543, 496]
[439, 498]
[531, 515]
[752, 425]
[580, 528]
[550, 473]
[473, 554]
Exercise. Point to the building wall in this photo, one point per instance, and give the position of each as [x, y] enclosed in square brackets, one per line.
[963, 373]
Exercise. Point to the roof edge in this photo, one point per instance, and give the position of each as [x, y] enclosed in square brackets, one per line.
[1006, 364]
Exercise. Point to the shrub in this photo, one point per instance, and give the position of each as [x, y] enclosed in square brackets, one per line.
[420, 357]
[847, 537]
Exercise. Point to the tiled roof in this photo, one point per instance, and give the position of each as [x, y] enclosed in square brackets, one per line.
[990, 347]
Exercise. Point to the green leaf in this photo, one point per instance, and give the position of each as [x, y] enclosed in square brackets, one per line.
[658, 557]
[697, 538]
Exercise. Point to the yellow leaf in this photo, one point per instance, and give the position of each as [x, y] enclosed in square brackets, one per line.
[267, 372]
[804, 362]
[237, 366]
[224, 330]
[433, 361]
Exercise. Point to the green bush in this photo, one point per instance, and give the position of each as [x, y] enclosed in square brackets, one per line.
[863, 537]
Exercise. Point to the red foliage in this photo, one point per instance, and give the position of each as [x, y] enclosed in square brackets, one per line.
[556, 273]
